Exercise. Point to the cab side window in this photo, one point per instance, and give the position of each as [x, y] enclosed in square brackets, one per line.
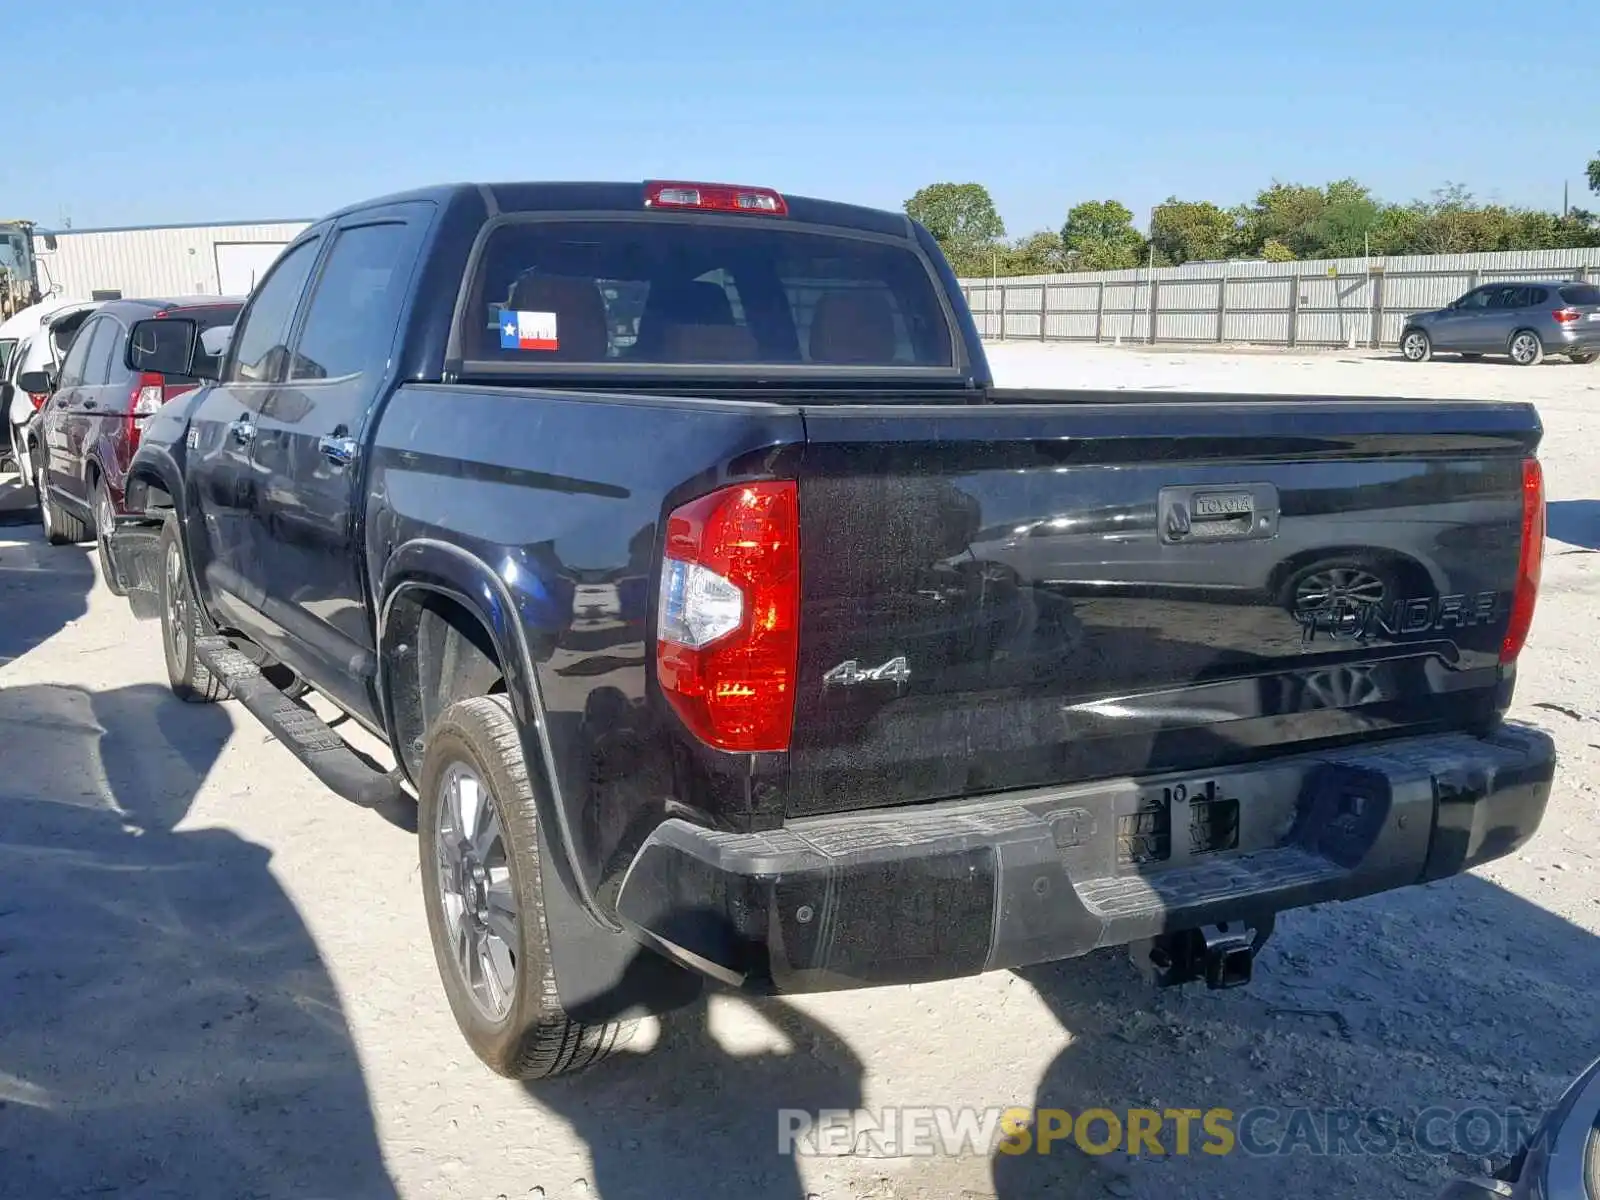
[78, 354]
[260, 351]
[350, 325]
[97, 364]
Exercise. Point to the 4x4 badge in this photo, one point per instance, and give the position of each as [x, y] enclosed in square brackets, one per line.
[850, 673]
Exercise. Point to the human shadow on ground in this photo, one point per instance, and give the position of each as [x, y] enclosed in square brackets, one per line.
[1458, 994]
[166, 1024]
[42, 590]
[1575, 522]
[694, 1117]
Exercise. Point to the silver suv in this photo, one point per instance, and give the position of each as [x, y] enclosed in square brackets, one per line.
[1525, 321]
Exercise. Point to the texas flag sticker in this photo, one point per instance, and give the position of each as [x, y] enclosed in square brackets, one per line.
[528, 330]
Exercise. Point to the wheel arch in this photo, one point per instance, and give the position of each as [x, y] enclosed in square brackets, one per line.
[440, 590]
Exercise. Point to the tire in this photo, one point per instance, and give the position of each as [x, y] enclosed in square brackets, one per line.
[1416, 346]
[105, 520]
[182, 624]
[510, 1014]
[1583, 357]
[61, 528]
[1526, 348]
[1349, 580]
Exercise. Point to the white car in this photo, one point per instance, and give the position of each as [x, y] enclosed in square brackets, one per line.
[35, 339]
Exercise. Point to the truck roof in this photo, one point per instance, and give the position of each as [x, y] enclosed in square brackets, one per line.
[554, 196]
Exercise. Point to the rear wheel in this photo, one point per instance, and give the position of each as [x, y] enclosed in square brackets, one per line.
[1526, 348]
[1338, 588]
[182, 624]
[61, 528]
[1416, 345]
[105, 520]
[479, 843]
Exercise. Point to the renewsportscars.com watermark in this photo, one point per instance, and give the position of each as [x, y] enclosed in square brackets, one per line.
[1261, 1131]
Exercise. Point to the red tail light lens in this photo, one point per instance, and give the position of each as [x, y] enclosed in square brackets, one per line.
[38, 399]
[1566, 316]
[715, 197]
[148, 395]
[1530, 561]
[727, 625]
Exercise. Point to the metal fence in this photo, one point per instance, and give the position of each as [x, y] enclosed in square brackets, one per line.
[1336, 302]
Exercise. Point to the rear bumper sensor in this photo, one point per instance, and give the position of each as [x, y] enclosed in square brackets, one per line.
[903, 896]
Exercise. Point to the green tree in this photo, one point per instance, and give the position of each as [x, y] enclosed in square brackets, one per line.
[1037, 254]
[963, 220]
[1594, 174]
[1101, 237]
[1186, 230]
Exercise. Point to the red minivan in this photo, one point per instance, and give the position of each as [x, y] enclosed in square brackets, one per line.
[89, 428]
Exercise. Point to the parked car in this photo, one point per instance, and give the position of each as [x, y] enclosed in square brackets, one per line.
[1560, 1162]
[1525, 321]
[36, 339]
[88, 429]
[686, 639]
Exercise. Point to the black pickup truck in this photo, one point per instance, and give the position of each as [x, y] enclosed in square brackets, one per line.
[727, 621]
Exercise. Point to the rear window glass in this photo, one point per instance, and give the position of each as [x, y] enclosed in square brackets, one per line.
[667, 292]
[1581, 294]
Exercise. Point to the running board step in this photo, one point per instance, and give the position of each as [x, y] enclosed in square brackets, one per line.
[307, 736]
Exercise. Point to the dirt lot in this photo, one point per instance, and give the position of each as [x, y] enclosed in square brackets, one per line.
[215, 980]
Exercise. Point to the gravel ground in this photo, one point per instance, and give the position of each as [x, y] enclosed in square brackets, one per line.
[215, 979]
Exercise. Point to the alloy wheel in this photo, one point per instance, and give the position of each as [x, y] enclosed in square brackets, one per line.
[476, 891]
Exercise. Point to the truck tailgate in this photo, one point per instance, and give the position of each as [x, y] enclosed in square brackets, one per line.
[1062, 587]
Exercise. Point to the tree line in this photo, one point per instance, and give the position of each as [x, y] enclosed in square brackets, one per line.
[1286, 222]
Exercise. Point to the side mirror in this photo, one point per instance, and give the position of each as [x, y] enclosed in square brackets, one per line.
[37, 383]
[162, 346]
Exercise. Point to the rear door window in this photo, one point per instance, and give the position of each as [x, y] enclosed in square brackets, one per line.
[350, 326]
[1581, 295]
[662, 292]
[97, 364]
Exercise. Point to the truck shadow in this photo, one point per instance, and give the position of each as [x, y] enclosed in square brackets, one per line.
[691, 1116]
[1351, 1010]
[1575, 522]
[169, 1027]
[42, 589]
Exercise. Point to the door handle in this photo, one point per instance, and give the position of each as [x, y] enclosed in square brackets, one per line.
[243, 430]
[340, 451]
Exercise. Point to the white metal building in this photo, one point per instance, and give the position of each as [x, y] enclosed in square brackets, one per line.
[160, 260]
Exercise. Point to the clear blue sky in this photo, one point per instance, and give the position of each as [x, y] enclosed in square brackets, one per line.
[185, 110]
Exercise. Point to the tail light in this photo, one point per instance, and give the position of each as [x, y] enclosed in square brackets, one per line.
[1566, 316]
[727, 626]
[38, 399]
[149, 394]
[1530, 561]
[715, 197]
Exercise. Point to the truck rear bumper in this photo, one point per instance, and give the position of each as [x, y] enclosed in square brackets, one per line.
[893, 897]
